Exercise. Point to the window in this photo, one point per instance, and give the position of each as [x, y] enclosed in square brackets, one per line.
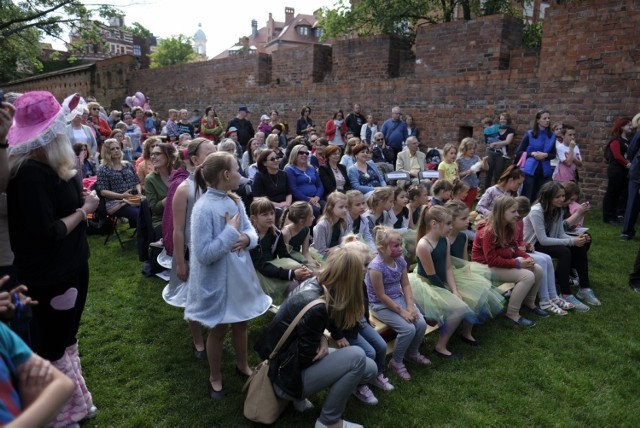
[319, 32]
[136, 50]
[303, 30]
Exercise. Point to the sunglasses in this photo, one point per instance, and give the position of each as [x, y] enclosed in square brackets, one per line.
[303, 153]
[272, 159]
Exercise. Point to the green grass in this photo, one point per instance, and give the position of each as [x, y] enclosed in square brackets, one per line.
[577, 370]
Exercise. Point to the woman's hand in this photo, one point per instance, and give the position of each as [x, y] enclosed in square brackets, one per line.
[82, 156]
[323, 349]
[315, 201]
[582, 240]
[342, 343]
[539, 155]
[91, 202]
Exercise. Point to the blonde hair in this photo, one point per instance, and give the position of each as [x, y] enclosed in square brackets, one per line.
[466, 144]
[332, 201]
[379, 195]
[209, 172]
[439, 214]
[447, 148]
[353, 243]
[383, 235]
[343, 274]
[58, 154]
[271, 138]
[352, 195]
[105, 153]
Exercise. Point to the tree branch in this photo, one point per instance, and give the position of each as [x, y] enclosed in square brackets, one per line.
[35, 16]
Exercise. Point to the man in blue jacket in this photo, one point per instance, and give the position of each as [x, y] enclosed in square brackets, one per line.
[395, 131]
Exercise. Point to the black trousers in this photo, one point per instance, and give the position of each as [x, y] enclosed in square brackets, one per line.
[56, 317]
[615, 197]
[567, 258]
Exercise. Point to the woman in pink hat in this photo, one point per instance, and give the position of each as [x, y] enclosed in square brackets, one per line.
[47, 209]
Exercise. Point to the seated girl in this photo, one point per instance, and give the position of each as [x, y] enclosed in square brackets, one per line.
[442, 191]
[543, 228]
[332, 226]
[434, 285]
[495, 245]
[357, 222]
[275, 267]
[472, 279]
[548, 295]
[418, 199]
[399, 209]
[380, 202]
[296, 232]
[391, 300]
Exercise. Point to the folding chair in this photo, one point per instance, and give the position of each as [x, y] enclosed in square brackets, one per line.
[394, 176]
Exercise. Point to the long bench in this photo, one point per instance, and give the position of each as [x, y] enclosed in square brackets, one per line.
[387, 334]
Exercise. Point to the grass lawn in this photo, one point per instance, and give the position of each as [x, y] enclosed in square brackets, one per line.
[577, 370]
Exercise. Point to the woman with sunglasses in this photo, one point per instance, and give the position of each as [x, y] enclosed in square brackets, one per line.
[271, 182]
[304, 180]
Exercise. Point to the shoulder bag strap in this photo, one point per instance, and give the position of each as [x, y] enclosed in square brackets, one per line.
[293, 324]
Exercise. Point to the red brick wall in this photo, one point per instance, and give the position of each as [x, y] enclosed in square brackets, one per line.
[586, 73]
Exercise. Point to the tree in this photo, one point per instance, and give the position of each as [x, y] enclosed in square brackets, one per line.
[22, 24]
[172, 51]
[138, 30]
[401, 17]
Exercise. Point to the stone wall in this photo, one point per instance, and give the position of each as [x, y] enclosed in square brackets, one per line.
[587, 73]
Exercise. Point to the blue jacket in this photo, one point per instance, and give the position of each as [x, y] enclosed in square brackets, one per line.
[543, 143]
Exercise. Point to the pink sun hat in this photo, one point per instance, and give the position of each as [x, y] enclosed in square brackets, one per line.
[38, 120]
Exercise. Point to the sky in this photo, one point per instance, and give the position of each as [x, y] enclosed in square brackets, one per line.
[223, 23]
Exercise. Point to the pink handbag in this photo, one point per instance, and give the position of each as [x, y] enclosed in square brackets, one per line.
[522, 160]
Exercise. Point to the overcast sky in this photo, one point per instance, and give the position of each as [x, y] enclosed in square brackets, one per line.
[223, 22]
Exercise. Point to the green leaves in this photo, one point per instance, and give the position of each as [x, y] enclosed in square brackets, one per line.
[172, 51]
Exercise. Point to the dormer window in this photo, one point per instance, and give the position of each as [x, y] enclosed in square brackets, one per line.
[303, 30]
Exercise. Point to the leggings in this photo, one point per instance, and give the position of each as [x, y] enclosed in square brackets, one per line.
[527, 285]
[372, 343]
[410, 335]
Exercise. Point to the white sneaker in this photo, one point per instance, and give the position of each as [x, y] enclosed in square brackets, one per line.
[345, 424]
[381, 382]
[364, 394]
[303, 405]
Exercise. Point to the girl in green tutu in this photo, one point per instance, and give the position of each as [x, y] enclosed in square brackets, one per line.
[471, 278]
[433, 283]
[296, 231]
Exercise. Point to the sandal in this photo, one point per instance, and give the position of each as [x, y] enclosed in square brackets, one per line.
[563, 304]
[418, 358]
[399, 369]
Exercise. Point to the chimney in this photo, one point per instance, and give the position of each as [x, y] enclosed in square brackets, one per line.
[254, 28]
[288, 15]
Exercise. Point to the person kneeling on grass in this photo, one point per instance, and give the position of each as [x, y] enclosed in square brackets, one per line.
[341, 370]
[277, 271]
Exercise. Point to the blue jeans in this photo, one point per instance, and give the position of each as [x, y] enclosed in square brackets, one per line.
[372, 343]
[410, 335]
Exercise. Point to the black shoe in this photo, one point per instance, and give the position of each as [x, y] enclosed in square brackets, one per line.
[625, 237]
[472, 343]
[452, 356]
[538, 311]
[215, 395]
[200, 355]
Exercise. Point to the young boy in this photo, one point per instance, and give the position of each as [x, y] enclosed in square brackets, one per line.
[568, 155]
[442, 190]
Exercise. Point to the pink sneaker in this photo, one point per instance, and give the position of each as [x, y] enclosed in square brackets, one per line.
[418, 358]
[364, 394]
[399, 369]
[382, 383]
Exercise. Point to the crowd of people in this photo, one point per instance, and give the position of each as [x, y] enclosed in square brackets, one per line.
[318, 215]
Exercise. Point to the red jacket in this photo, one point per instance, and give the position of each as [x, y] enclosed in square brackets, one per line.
[486, 251]
[330, 130]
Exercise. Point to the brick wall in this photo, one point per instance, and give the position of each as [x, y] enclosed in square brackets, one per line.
[586, 73]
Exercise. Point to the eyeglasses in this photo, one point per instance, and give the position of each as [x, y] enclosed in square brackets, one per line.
[95, 108]
[272, 159]
[303, 153]
[113, 149]
[379, 139]
[153, 154]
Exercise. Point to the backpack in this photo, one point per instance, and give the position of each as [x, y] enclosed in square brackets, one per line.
[433, 159]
